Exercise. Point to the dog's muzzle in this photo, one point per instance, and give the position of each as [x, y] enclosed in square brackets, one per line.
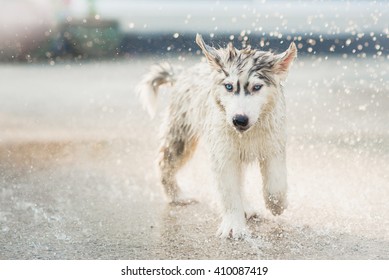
[241, 122]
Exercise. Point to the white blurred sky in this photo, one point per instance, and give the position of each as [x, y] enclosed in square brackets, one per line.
[326, 17]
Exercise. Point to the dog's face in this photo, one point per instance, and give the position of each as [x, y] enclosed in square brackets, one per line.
[246, 82]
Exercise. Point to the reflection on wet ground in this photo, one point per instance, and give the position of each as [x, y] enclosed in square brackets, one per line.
[78, 176]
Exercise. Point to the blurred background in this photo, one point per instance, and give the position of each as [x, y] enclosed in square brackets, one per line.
[78, 176]
[33, 30]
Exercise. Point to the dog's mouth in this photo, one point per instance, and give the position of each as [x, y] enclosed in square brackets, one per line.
[242, 130]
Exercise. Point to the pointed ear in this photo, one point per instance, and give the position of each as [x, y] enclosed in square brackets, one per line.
[284, 61]
[210, 53]
[231, 51]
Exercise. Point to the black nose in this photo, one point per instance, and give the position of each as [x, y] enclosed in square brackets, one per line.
[240, 122]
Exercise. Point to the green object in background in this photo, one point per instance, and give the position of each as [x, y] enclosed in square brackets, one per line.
[92, 37]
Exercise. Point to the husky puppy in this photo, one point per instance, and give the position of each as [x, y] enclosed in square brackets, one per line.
[236, 105]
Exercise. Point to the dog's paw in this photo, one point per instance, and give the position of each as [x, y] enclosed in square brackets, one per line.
[276, 204]
[183, 202]
[250, 213]
[233, 227]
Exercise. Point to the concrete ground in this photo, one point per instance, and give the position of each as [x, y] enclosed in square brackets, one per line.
[78, 175]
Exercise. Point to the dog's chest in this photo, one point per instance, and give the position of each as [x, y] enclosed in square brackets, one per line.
[249, 150]
[249, 147]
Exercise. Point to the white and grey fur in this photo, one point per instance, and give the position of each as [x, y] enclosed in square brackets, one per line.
[239, 126]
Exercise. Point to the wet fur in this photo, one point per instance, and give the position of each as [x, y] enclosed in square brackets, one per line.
[200, 107]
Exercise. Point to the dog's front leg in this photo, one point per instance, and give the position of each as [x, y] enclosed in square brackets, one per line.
[229, 180]
[275, 186]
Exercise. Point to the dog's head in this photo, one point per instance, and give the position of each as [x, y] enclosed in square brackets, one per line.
[246, 82]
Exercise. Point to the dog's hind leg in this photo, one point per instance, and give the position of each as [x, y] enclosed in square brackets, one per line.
[275, 186]
[175, 151]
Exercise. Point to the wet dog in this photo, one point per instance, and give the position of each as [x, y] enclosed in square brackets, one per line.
[236, 105]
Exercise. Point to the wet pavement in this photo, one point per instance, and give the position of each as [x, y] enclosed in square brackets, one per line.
[78, 174]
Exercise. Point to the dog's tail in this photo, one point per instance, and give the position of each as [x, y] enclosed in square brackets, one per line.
[147, 90]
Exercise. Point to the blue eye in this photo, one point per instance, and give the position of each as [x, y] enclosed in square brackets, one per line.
[228, 87]
[257, 87]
